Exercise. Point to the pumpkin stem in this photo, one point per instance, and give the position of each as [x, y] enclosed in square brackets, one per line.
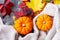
[44, 22]
[23, 25]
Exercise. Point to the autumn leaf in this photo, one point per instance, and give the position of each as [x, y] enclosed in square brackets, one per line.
[24, 0]
[6, 7]
[35, 5]
[24, 11]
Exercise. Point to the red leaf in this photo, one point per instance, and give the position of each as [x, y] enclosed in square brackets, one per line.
[1, 6]
[25, 11]
[10, 5]
[3, 11]
[6, 7]
[22, 5]
[17, 14]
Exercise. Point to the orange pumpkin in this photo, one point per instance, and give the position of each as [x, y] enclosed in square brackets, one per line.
[44, 22]
[23, 25]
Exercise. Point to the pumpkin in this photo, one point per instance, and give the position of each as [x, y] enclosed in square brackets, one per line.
[23, 25]
[44, 22]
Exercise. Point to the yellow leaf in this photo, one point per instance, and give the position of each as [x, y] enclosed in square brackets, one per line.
[35, 5]
[56, 1]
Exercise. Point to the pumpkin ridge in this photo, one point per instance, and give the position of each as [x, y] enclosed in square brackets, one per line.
[40, 26]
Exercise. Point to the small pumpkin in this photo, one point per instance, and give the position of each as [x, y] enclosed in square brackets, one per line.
[44, 22]
[23, 25]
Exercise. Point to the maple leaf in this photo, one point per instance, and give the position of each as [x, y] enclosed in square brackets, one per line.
[6, 7]
[24, 11]
[35, 5]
